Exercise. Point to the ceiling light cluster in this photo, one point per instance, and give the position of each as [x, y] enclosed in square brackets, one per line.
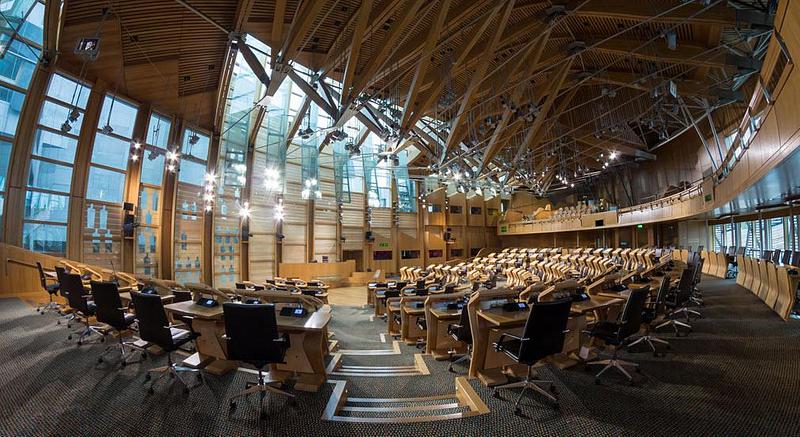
[311, 186]
[272, 178]
[209, 182]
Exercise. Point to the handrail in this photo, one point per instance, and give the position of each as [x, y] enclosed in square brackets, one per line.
[22, 263]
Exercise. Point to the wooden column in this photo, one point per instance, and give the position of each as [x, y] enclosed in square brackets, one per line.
[208, 222]
[168, 208]
[132, 185]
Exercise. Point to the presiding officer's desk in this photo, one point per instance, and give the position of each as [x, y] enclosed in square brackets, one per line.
[488, 321]
[438, 316]
[307, 338]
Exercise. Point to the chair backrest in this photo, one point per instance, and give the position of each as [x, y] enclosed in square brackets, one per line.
[787, 257]
[250, 330]
[464, 333]
[795, 258]
[685, 285]
[544, 330]
[106, 296]
[631, 317]
[153, 322]
[72, 289]
[42, 278]
[661, 296]
[776, 256]
[766, 255]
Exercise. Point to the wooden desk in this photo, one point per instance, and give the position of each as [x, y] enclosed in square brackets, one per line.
[305, 357]
[392, 308]
[412, 308]
[490, 323]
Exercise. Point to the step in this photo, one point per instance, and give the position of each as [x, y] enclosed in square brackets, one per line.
[336, 367]
[464, 402]
[395, 350]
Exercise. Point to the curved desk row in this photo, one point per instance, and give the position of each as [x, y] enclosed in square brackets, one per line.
[775, 285]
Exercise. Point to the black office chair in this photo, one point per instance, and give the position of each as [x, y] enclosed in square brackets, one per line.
[786, 257]
[776, 256]
[766, 255]
[51, 289]
[461, 332]
[81, 305]
[542, 337]
[251, 335]
[109, 310]
[679, 299]
[652, 311]
[154, 327]
[618, 333]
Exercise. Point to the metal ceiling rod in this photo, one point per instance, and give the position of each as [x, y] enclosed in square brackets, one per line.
[200, 14]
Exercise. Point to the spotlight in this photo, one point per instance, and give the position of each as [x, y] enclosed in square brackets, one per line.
[107, 129]
[613, 155]
[244, 211]
[193, 139]
[73, 115]
[66, 127]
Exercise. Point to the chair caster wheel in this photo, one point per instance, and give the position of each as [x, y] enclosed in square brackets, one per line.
[144, 355]
[293, 403]
[58, 322]
[69, 337]
[638, 369]
[150, 390]
[80, 342]
[263, 415]
[556, 406]
[450, 369]
[586, 368]
[100, 360]
[123, 364]
[518, 412]
[171, 375]
[496, 394]
[553, 389]
[597, 381]
[147, 377]
[102, 339]
[232, 405]
[186, 390]
[669, 347]
[631, 383]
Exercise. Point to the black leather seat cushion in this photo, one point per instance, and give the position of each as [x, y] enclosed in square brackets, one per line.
[606, 331]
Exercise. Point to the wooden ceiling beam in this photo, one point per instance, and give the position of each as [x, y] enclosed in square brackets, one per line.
[477, 77]
[424, 62]
[355, 50]
[536, 51]
[335, 53]
[719, 14]
[387, 46]
[538, 122]
[438, 79]
[277, 22]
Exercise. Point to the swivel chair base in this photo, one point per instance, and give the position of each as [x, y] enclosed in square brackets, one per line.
[614, 363]
[87, 332]
[124, 356]
[532, 384]
[262, 388]
[174, 371]
[650, 339]
[465, 358]
[49, 307]
[675, 324]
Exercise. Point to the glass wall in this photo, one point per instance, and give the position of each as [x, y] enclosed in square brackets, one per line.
[755, 235]
[189, 209]
[50, 173]
[152, 155]
[105, 191]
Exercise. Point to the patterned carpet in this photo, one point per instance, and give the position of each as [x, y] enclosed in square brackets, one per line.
[736, 374]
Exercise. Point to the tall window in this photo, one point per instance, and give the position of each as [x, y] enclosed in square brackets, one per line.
[50, 174]
[189, 213]
[20, 49]
[776, 234]
[153, 157]
[105, 191]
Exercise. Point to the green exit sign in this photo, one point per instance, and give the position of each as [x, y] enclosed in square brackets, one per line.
[383, 245]
[503, 229]
[639, 226]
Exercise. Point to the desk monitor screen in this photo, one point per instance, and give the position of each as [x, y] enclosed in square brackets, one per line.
[207, 302]
[299, 312]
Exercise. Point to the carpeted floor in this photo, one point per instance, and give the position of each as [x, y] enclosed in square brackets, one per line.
[738, 373]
